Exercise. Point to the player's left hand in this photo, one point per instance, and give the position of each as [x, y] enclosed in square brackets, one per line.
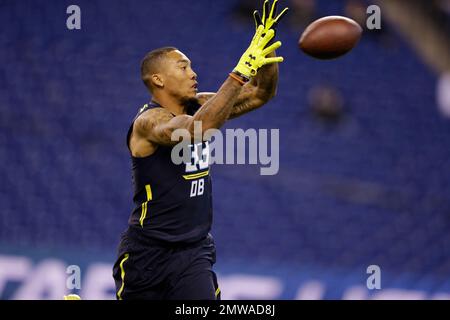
[269, 19]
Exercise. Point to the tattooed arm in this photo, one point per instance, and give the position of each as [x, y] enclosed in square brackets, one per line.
[255, 93]
[155, 127]
[232, 100]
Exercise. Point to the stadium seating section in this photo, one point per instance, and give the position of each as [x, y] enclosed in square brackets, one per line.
[372, 185]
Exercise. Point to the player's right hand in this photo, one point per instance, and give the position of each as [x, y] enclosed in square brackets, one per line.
[255, 56]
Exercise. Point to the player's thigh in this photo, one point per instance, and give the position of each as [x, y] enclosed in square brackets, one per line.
[137, 277]
[198, 282]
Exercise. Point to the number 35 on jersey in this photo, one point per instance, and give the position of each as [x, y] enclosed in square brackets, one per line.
[198, 167]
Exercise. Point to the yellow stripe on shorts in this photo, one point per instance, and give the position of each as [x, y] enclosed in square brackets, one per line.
[122, 275]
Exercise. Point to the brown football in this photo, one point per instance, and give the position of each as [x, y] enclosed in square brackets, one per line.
[330, 37]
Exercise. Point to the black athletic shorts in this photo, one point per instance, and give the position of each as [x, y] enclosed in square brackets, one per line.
[147, 270]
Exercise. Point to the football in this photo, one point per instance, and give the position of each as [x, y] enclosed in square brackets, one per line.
[330, 37]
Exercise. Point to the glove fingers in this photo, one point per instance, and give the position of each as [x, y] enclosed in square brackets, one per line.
[273, 60]
[265, 10]
[273, 11]
[257, 18]
[267, 37]
[281, 15]
[271, 48]
[258, 33]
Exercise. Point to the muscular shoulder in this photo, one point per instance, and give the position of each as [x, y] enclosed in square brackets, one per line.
[156, 126]
[149, 119]
[143, 128]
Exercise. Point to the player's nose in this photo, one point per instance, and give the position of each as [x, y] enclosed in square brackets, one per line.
[193, 75]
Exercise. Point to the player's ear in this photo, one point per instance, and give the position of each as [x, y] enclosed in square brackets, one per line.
[157, 80]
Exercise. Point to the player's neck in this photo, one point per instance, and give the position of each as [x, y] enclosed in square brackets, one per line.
[171, 104]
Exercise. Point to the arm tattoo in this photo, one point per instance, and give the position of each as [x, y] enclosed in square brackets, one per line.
[152, 126]
[216, 110]
[258, 91]
[157, 125]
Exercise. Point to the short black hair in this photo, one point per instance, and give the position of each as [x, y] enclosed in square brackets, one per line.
[149, 64]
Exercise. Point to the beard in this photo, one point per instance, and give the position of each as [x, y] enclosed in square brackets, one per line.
[191, 105]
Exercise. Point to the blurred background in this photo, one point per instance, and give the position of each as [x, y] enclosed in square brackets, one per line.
[364, 173]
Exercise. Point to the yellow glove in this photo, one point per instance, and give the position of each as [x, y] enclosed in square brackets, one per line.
[269, 21]
[255, 56]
